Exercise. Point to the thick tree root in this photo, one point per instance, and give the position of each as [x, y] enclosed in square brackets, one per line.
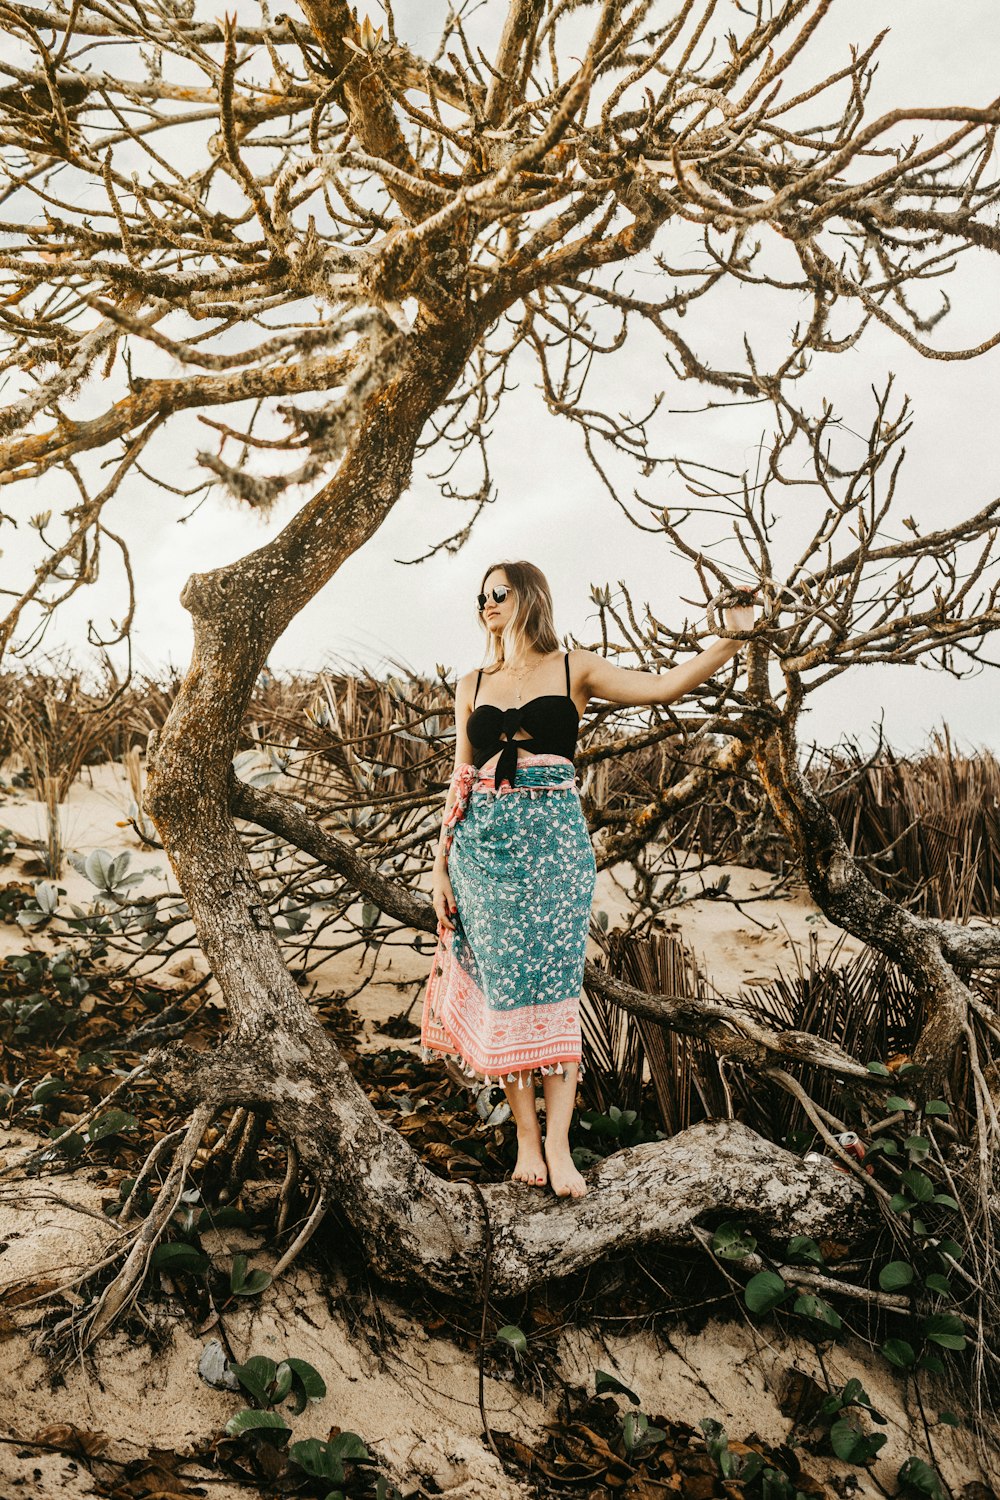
[435, 1236]
[162, 1148]
[244, 1154]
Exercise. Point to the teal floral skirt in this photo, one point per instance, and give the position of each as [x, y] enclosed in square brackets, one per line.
[503, 995]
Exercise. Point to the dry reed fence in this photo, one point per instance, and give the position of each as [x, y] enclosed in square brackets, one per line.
[927, 827]
[373, 757]
[865, 1005]
[52, 725]
[618, 1047]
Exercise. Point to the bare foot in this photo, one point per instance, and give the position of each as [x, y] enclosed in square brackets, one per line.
[566, 1180]
[530, 1167]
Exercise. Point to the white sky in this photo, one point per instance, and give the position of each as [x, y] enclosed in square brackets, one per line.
[550, 507]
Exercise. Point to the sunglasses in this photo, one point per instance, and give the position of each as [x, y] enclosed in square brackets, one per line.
[499, 595]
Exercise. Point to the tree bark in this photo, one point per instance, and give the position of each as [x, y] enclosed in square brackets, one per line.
[418, 1229]
[238, 612]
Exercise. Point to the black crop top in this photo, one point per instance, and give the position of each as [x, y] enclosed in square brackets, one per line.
[552, 720]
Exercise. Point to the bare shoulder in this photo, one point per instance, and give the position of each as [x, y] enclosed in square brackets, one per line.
[581, 666]
[464, 689]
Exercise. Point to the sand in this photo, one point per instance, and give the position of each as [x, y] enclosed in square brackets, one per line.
[413, 1398]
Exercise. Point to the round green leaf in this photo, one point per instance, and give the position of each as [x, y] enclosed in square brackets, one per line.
[919, 1476]
[844, 1439]
[266, 1422]
[253, 1284]
[308, 1382]
[605, 1382]
[896, 1274]
[318, 1459]
[47, 1089]
[937, 1107]
[899, 1353]
[349, 1445]
[733, 1242]
[603, 1125]
[513, 1338]
[817, 1309]
[945, 1330]
[282, 1385]
[174, 1256]
[637, 1431]
[850, 1393]
[256, 1376]
[802, 1247]
[764, 1291]
[110, 1123]
[749, 1466]
[919, 1185]
[852, 1446]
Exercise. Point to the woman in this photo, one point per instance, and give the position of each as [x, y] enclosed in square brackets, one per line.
[515, 872]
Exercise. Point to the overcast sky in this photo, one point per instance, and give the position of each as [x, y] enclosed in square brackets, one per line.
[549, 505]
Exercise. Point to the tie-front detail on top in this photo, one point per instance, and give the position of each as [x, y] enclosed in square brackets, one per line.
[552, 721]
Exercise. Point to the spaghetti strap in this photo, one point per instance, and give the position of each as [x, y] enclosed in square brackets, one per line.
[478, 681]
[568, 693]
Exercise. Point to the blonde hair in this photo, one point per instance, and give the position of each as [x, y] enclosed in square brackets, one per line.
[531, 624]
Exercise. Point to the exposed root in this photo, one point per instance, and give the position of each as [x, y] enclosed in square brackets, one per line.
[232, 1153]
[288, 1187]
[145, 1176]
[246, 1150]
[225, 1146]
[88, 1325]
[305, 1233]
[85, 1325]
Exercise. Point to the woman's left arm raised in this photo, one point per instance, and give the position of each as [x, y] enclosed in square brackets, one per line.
[620, 685]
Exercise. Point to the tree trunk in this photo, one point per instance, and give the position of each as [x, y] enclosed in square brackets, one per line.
[418, 1229]
[414, 1226]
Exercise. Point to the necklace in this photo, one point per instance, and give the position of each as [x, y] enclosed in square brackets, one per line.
[518, 678]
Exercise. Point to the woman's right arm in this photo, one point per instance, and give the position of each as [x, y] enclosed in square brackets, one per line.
[443, 895]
